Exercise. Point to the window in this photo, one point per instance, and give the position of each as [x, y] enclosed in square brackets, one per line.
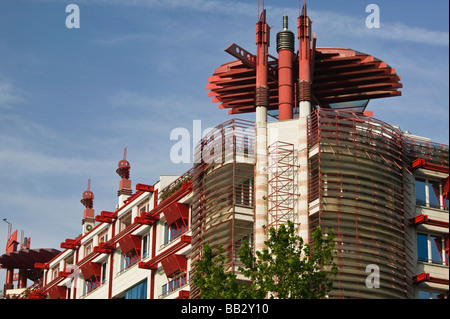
[144, 246]
[243, 192]
[422, 247]
[423, 294]
[69, 262]
[429, 193]
[431, 249]
[174, 283]
[125, 221]
[137, 292]
[143, 209]
[421, 198]
[55, 273]
[88, 248]
[173, 232]
[103, 237]
[104, 265]
[435, 194]
[436, 249]
[128, 260]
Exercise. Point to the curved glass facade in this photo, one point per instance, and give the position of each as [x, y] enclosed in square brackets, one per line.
[356, 188]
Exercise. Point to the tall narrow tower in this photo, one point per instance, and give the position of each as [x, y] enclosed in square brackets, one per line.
[305, 60]
[261, 104]
[88, 221]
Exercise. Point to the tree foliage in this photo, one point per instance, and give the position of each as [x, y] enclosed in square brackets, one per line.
[287, 268]
[211, 278]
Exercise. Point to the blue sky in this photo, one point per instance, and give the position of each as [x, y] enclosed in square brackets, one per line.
[72, 99]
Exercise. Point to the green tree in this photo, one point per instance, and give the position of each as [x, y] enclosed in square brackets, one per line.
[287, 268]
[211, 278]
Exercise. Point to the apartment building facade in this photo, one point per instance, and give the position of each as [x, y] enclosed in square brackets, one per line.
[324, 161]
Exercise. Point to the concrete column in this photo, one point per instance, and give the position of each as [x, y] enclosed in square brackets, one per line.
[305, 109]
[261, 178]
[262, 98]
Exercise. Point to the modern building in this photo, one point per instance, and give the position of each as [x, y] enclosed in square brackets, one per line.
[322, 161]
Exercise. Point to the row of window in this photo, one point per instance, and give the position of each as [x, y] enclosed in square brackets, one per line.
[130, 259]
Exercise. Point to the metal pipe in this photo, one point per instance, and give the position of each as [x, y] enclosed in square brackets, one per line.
[285, 48]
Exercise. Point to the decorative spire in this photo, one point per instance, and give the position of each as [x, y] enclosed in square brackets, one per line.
[124, 171]
[88, 202]
[124, 166]
[88, 196]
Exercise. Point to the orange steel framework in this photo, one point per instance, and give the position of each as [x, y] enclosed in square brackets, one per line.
[281, 190]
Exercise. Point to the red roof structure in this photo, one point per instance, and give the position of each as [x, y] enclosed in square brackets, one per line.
[341, 78]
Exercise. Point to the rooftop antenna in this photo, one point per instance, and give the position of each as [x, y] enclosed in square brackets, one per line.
[257, 18]
[9, 228]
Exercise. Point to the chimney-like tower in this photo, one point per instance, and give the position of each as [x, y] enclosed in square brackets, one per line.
[261, 104]
[88, 221]
[125, 184]
[305, 60]
[285, 49]
[304, 63]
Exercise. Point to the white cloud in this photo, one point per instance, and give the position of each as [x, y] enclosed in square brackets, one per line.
[9, 94]
[122, 39]
[335, 24]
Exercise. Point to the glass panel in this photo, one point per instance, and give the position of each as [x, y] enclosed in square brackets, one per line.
[435, 295]
[424, 294]
[166, 233]
[137, 292]
[144, 246]
[104, 265]
[422, 247]
[435, 194]
[358, 106]
[420, 192]
[436, 249]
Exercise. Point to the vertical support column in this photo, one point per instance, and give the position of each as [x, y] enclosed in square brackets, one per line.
[9, 280]
[261, 103]
[22, 278]
[304, 89]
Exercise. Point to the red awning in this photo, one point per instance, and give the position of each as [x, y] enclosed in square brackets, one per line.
[174, 263]
[130, 243]
[175, 212]
[91, 269]
[57, 292]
